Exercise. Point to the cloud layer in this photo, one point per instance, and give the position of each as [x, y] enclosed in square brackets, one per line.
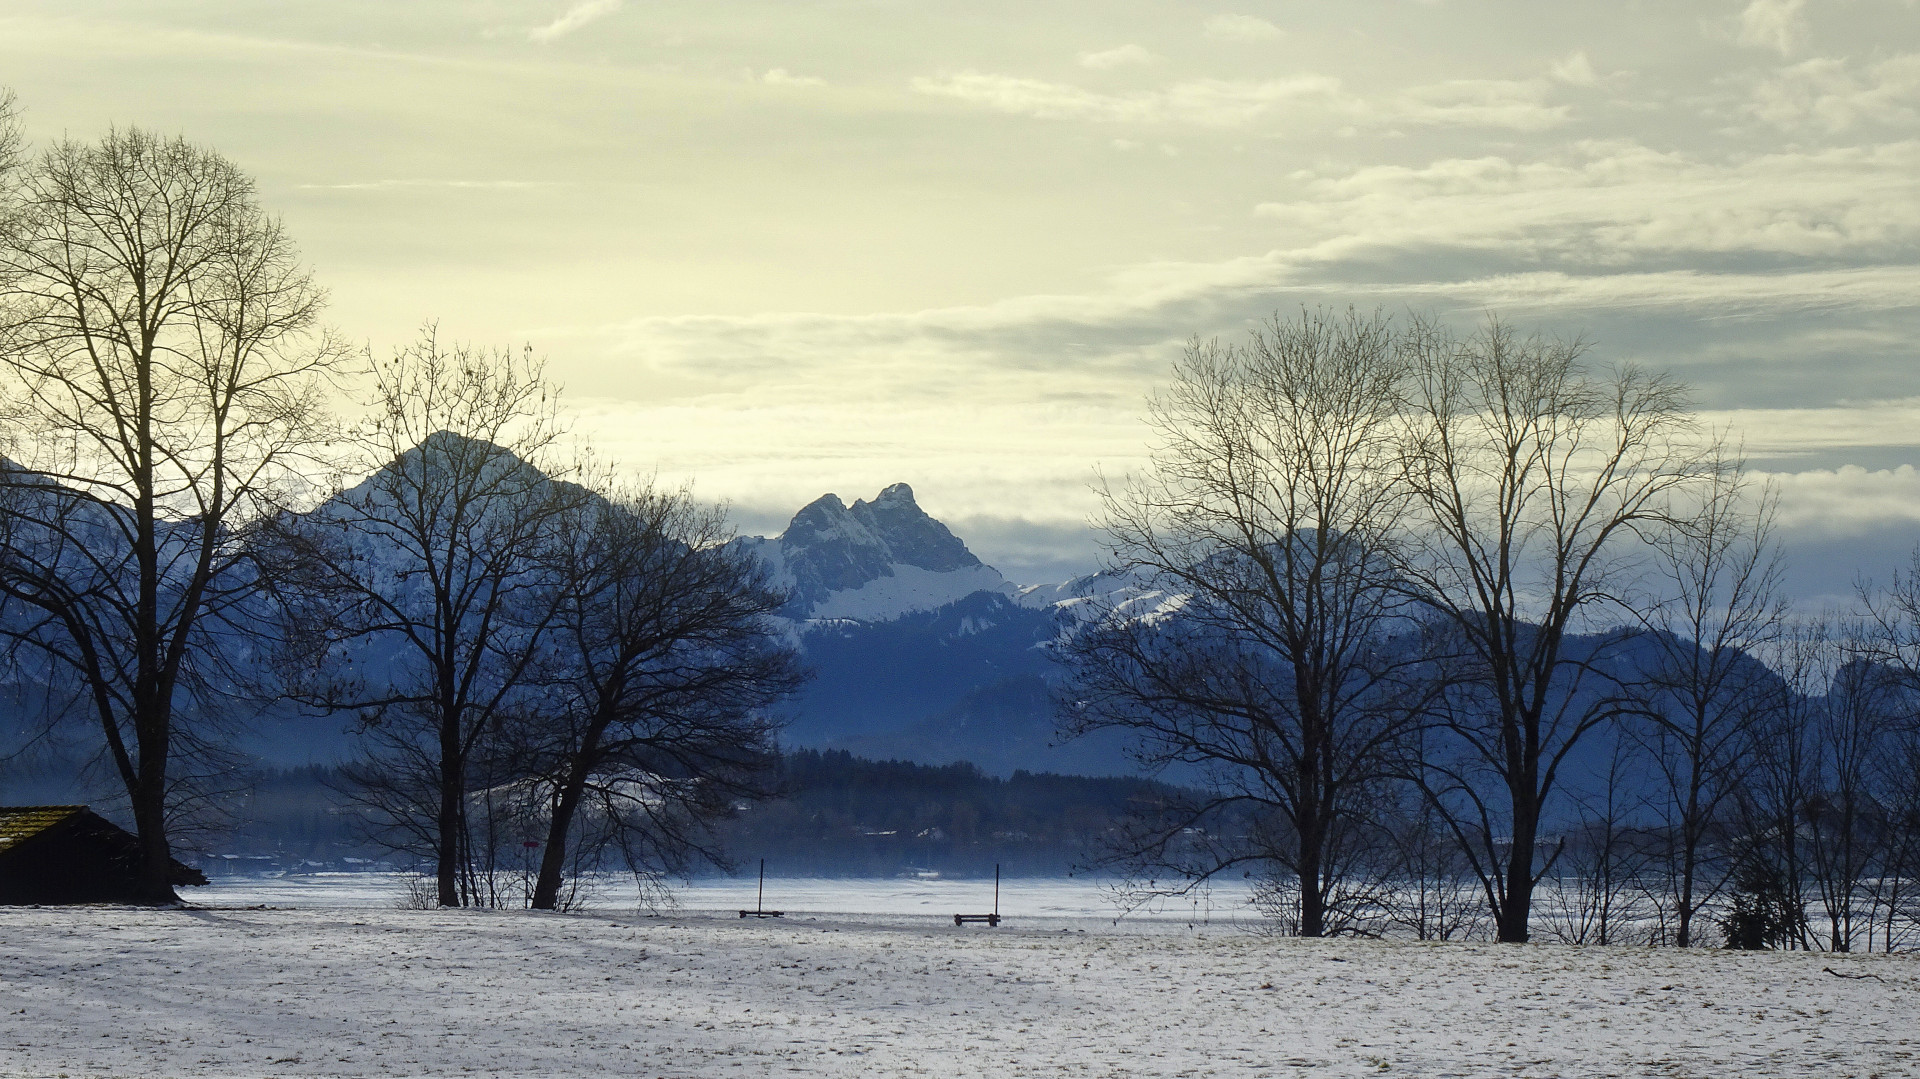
[783, 250]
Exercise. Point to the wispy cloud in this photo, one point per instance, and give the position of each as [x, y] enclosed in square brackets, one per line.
[1575, 69]
[1512, 104]
[1849, 494]
[1499, 103]
[780, 76]
[573, 19]
[1207, 102]
[1241, 28]
[1607, 204]
[1122, 56]
[1774, 24]
[1836, 95]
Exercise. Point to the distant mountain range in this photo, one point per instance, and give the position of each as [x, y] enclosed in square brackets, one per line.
[919, 650]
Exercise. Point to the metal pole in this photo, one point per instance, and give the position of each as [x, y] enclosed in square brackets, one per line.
[760, 901]
[996, 887]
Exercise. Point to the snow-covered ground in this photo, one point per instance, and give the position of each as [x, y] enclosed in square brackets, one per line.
[368, 989]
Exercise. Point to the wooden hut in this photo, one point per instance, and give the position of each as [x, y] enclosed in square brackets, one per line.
[69, 854]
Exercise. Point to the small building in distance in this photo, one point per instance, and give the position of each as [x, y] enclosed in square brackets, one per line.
[70, 854]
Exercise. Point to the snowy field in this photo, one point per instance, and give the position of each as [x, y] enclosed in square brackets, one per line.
[334, 980]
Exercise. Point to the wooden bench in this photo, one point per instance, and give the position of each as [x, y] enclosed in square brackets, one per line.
[991, 919]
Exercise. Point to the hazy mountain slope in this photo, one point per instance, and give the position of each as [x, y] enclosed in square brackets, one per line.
[1003, 727]
[885, 676]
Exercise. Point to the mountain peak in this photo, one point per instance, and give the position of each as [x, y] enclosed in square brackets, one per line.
[909, 536]
[830, 547]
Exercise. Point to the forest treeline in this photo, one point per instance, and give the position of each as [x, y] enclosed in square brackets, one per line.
[830, 814]
[843, 815]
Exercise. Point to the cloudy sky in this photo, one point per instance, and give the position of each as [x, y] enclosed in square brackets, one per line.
[796, 247]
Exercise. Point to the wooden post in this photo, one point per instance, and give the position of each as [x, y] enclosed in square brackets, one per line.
[760, 899]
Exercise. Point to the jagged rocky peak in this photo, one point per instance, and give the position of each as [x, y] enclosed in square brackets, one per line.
[890, 530]
[914, 538]
[830, 547]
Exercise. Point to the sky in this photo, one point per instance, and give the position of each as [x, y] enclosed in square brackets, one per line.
[788, 248]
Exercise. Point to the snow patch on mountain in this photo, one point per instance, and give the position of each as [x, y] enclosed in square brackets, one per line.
[1087, 586]
[1092, 596]
[906, 589]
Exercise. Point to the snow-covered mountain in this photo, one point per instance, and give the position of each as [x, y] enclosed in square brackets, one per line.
[871, 561]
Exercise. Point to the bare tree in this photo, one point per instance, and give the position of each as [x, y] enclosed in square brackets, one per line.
[1532, 480]
[1892, 643]
[1780, 781]
[1598, 894]
[1263, 517]
[1850, 784]
[1719, 573]
[1432, 892]
[165, 364]
[1894, 888]
[438, 592]
[660, 671]
[12, 139]
[1841, 816]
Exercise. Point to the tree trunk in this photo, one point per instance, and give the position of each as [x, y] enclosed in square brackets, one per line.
[1314, 804]
[1516, 906]
[1313, 914]
[1691, 829]
[1684, 938]
[148, 799]
[553, 860]
[452, 790]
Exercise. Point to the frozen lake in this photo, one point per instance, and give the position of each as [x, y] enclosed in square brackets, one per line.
[1032, 900]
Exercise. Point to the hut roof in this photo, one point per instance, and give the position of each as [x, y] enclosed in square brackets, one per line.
[70, 854]
[20, 823]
